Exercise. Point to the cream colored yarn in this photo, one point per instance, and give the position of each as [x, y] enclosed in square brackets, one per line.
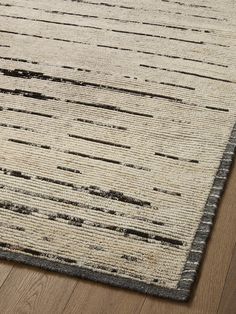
[114, 117]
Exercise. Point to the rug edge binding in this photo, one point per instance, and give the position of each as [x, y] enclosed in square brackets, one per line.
[202, 236]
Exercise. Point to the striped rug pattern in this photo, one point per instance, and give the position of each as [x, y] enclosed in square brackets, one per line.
[117, 136]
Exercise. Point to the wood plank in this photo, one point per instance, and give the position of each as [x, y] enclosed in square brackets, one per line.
[228, 299]
[215, 265]
[5, 269]
[30, 290]
[93, 298]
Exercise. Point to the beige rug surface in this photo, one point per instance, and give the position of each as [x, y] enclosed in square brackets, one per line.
[117, 136]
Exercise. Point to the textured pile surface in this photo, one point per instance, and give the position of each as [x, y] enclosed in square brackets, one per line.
[116, 124]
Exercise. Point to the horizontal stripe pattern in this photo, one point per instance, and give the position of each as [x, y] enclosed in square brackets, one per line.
[114, 117]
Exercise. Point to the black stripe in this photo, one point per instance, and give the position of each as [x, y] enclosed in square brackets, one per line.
[115, 195]
[158, 36]
[107, 160]
[177, 158]
[105, 4]
[26, 93]
[158, 25]
[18, 127]
[69, 169]
[55, 181]
[109, 107]
[177, 85]
[166, 192]
[18, 60]
[142, 234]
[188, 5]
[50, 22]
[217, 108]
[28, 143]
[30, 112]
[95, 190]
[15, 173]
[18, 208]
[208, 17]
[4, 46]
[98, 141]
[187, 73]
[101, 124]
[43, 37]
[49, 11]
[40, 76]
[92, 157]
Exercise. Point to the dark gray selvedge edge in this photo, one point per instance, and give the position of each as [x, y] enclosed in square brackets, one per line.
[205, 226]
[192, 265]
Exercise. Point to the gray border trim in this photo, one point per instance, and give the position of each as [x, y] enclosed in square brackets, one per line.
[189, 274]
[205, 226]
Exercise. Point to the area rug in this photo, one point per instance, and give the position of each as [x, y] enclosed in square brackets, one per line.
[117, 136]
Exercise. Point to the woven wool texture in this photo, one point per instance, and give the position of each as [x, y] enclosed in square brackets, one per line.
[116, 136]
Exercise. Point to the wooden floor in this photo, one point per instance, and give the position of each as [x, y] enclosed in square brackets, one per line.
[26, 289]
